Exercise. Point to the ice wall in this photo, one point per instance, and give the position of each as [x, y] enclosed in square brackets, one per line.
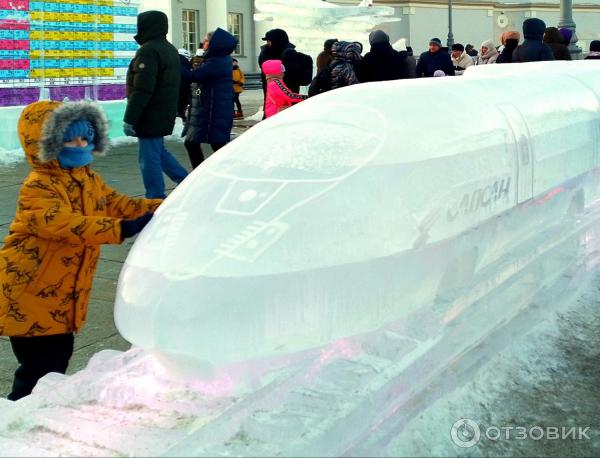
[10, 148]
[62, 50]
[357, 209]
[310, 22]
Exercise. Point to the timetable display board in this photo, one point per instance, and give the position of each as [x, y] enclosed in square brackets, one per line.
[70, 48]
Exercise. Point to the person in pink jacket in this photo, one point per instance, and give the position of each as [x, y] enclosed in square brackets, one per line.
[279, 97]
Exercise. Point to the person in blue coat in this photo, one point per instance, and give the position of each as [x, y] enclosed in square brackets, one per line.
[210, 119]
[434, 59]
[533, 49]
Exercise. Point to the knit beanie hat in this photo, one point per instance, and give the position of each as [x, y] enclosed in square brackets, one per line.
[273, 67]
[435, 41]
[567, 34]
[378, 36]
[80, 128]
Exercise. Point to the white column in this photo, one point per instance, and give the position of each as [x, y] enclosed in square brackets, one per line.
[566, 20]
[216, 14]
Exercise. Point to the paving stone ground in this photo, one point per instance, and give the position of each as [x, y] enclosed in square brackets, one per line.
[120, 170]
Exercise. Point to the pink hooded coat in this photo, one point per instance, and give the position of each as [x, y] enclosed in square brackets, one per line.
[279, 97]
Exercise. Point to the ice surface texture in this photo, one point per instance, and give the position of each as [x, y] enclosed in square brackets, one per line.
[365, 206]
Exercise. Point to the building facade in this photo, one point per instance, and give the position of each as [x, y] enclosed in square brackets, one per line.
[474, 21]
[190, 20]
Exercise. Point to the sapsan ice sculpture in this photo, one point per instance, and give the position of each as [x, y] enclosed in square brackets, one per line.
[361, 207]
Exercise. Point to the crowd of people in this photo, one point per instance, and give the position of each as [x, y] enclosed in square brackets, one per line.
[208, 92]
[65, 209]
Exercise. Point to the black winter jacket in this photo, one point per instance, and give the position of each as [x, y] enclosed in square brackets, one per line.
[383, 63]
[533, 49]
[429, 62]
[211, 109]
[153, 79]
[281, 49]
[505, 56]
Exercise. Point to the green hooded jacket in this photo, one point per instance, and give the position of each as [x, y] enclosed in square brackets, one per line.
[153, 79]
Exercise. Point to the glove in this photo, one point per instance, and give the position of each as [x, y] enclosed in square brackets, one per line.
[131, 227]
[128, 130]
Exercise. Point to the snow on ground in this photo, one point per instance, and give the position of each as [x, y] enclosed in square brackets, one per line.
[11, 157]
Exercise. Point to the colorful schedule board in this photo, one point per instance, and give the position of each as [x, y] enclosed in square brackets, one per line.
[70, 48]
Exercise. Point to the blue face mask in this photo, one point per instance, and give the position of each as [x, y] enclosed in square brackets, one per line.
[72, 157]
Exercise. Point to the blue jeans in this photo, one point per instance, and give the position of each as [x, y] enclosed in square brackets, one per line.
[154, 160]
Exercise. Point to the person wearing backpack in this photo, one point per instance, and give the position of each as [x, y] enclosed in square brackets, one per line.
[277, 41]
[298, 66]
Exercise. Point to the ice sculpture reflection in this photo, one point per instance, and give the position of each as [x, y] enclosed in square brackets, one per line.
[310, 22]
[362, 207]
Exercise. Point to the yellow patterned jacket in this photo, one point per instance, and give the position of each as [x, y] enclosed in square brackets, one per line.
[49, 258]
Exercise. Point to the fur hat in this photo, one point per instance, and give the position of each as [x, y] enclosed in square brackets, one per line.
[510, 35]
[60, 122]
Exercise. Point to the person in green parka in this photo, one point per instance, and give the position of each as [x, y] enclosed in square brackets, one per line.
[153, 80]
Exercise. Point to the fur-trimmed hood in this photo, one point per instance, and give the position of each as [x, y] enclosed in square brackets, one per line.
[43, 124]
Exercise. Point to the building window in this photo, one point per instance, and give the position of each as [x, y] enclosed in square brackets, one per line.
[234, 25]
[190, 30]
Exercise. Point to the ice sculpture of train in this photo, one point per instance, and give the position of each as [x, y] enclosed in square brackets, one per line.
[364, 207]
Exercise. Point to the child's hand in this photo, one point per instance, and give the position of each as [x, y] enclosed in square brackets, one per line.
[131, 227]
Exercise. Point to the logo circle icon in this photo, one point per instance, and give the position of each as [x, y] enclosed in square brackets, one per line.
[465, 433]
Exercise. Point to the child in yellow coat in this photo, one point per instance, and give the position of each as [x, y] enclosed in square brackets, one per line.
[65, 212]
[238, 87]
